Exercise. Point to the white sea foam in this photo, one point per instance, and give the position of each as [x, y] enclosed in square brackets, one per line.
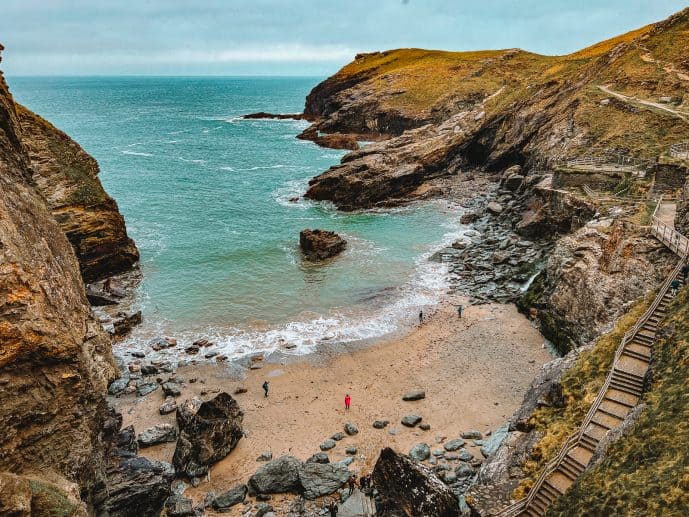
[395, 308]
[135, 153]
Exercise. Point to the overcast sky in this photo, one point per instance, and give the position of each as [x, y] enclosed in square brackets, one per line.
[290, 37]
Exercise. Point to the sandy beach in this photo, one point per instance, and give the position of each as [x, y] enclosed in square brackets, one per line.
[474, 371]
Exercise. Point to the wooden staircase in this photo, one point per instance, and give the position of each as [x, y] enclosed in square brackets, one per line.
[619, 394]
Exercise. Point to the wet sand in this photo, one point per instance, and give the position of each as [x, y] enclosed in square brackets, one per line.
[474, 371]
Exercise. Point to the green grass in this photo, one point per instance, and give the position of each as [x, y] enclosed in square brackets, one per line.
[580, 386]
[647, 471]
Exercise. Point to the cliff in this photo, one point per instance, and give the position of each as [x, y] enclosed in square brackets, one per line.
[55, 359]
[67, 177]
[494, 109]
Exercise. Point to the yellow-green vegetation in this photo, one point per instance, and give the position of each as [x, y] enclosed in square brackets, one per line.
[647, 64]
[47, 500]
[580, 385]
[647, 472]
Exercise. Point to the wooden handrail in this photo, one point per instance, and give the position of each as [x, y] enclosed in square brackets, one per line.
[660, 231]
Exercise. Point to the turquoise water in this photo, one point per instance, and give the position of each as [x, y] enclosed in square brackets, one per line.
[206, 198]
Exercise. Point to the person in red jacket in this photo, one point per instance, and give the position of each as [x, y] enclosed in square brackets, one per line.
[348, 401]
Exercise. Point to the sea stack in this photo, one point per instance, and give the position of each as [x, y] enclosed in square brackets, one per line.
[320, 245]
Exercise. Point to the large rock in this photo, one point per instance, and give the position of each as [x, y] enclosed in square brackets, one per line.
[318, 479]
[136, 486]
[159, 433]
[207, 433]
[410, 489]
[24, 496]
[411, 420]
[277, 476]
[228, 499]
[321, 244]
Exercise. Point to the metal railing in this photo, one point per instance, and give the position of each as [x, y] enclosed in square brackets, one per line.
[667, 236]
[618, 160]
[680, 150]
[573, 441]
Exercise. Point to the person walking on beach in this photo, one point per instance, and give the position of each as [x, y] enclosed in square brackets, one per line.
[348, 401]
[352, 484]
[459, 310]
[420, 317]
[265, 388]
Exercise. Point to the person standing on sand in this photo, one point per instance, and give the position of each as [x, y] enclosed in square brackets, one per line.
[265, 387]
[420, 317]
[348, 401]
[459, 310]
[352, 484]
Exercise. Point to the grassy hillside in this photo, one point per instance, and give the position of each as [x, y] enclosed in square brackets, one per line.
[647, 472]
[580, 386]
[625, 94]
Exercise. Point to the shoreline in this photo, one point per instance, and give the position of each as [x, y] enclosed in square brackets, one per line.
[474, 370]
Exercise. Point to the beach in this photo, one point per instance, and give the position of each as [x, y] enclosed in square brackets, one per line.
[474, 371]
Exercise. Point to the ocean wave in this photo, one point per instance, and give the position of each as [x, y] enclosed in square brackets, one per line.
[135, 153]
[197, 162]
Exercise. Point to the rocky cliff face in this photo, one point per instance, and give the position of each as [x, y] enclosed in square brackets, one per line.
[495, 109]
[55, 360]
[67, 177]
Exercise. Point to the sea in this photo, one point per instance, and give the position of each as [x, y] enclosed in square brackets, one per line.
[206, 196]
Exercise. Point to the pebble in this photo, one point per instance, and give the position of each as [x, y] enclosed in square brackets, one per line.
[380, 424]
[411, 420]
[327, 445]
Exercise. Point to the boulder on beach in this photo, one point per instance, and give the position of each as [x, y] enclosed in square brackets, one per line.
[321, 244]
[319, 479]
[228, 499]
[208, 431]
[411, 420]
[420, 452]
[409, 488]
[276, 477]
[160, 433]
[414, 395]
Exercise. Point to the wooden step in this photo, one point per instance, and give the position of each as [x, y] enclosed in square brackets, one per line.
[641, 338]
[560, 482]
[566, 470]
[543, 501]
[614, 408]
[620, 397]
[636, 355]
[531, 513]
[538, 505]
[639, 348]
[596, 431]
[588, 443]
[626, 388]
[550, 490]
[629, 377]
[573, 465]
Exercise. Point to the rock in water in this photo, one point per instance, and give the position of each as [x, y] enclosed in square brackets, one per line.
[410, 489]
[318, 479]
[206, 434]
[321, 244]
[277, 476]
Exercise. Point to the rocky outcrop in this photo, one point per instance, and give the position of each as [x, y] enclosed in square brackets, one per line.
[455, 111]
[24, 496]
[208, 431]
[682, 217]
[67, 177]
[591, 278]
[55, 360]
[407, 488]
[321, 244]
